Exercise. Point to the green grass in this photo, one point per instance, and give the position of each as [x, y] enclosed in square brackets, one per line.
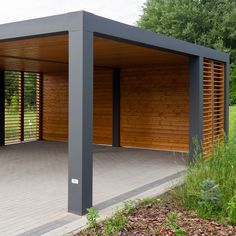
[210, 185]
[232, 121]
[12, 126]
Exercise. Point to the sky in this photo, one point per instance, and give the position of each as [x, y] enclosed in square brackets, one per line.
[126, 11]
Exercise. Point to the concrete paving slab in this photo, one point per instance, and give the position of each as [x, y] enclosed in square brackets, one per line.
[33, 182]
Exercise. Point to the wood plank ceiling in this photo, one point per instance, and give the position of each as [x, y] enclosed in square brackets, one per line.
[50, 54]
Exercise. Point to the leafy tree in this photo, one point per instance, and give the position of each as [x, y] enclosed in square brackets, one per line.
[210, 23]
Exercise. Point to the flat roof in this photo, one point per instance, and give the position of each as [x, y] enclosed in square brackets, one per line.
[100, 26]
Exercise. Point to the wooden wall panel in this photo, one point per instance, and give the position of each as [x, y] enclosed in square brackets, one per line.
[218, 101]
[55, 107]
[102, 109]
[155, 108]
[213, 105]
[207, 107]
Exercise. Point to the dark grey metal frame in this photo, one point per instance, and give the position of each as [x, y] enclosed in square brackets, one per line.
[81, 28]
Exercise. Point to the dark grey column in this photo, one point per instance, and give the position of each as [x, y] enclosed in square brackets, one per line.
[116, 109]
[2, 108]
[195, 105]
[80, 162]
[226, 99]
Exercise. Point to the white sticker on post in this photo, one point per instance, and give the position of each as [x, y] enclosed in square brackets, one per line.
[74, 181]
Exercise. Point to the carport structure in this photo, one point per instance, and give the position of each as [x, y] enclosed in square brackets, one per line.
[104, 82]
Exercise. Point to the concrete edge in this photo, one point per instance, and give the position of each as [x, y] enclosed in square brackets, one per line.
[78, 225]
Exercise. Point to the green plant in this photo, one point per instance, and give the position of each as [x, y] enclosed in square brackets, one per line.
[232, 210]
[115, 224]
[210, 197]
[129, 206]
[172, 222]
[220, 167]
[92, 217]
[150, 201]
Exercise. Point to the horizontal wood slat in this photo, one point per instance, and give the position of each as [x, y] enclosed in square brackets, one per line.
[55, 107]
[218, 101]
[213, 104]
[207, 107]
[102, 107]
[155, 108]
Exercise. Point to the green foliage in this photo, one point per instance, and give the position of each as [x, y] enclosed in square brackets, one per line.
[92, 217]
[129, 206]
[209, 23]
[172, 222]
[210, 197]
[12, 89]
[147, 201]
[212, 182]
[14, 103]
[232, 90]
[115, 224]
[232, 210]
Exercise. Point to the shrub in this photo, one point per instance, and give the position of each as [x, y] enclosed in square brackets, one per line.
[210, 197]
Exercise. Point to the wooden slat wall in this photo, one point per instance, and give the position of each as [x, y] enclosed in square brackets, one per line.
[218, 101]
[207, 107]
[102, 120]
[55, 107]
[213, 104]
[155, 107]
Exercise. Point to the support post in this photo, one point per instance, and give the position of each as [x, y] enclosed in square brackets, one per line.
[2, 108]
[226, 100]
[116, 108]
[80, 161]
[195, 103]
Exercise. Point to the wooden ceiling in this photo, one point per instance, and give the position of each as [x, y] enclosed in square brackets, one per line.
[50, 54]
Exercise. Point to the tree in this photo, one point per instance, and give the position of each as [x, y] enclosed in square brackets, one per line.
[210, 23]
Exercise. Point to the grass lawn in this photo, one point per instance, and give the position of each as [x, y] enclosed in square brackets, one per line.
[204, 205]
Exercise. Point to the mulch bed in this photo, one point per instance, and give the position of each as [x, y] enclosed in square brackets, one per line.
[154, 217]
[151, 219]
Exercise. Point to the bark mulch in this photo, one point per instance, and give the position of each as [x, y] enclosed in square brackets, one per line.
[159, 218]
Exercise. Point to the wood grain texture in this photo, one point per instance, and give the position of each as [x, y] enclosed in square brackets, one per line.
[218, 101]
[207, 107]
[213, 105]
[155, 107]
[55, 107]
[50, 54]
[102, 108]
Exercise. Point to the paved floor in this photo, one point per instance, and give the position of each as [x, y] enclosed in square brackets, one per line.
[33, 182]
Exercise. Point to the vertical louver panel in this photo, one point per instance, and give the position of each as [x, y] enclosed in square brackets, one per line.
[207, 107]
[22, 107]
[30, 107]
[218, 101]
[39, 105]
[12, 107]
[213, 104]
